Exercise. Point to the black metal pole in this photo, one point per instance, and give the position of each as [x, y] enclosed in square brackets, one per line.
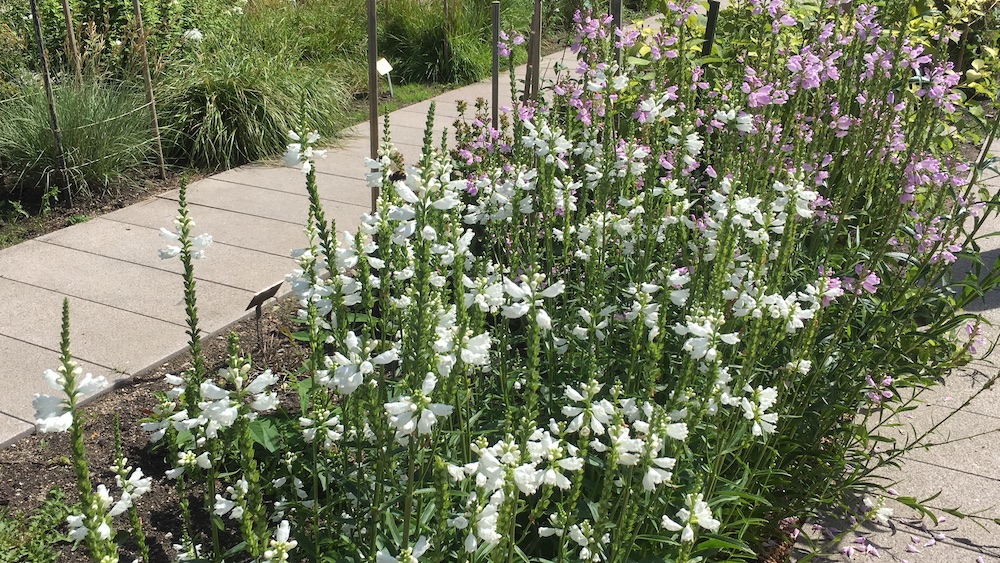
[373, 89]
[710, 24]
[530, 68]
[496, 64]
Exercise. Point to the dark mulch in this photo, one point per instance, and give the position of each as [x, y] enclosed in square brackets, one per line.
[37, 464]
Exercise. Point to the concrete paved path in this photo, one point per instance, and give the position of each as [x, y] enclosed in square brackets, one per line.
[128, 313]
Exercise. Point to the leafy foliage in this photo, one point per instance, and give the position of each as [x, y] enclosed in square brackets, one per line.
[33, 538]
[105, 132]
[223, 107]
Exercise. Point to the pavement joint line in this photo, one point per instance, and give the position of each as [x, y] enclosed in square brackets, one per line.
[57, 353]
[365, 209]
[167, 270]
[191, 206]
[235, 183]
[19, 419]
[946, 468]
[64, 294]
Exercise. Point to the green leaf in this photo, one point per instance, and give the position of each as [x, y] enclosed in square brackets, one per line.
[722, 543]
[234, 550]
[265, 433]
[305, 387]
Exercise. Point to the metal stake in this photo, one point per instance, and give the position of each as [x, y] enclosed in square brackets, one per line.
[257, 302]
[710, 24]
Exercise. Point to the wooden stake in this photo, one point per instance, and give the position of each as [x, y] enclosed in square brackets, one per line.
[71, 39]
[447, 37]
[149, 87]
[46, 80]
[373, 89]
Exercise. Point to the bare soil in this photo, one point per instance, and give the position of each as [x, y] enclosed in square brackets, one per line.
[15, 228]
[37, 464]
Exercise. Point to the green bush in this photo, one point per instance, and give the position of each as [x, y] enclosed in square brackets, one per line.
[105, 132]
[423, 48]
[226, 107]
[326, 33]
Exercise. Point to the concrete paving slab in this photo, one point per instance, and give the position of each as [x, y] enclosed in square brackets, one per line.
[32, 361]
[140, 245]
[963, 441]
[274, 237]
[342, 184]
[272, 204]
[955, 539]
[442, 108]
[13, 429]
[112, 338]
[396, 119]
[119, 284]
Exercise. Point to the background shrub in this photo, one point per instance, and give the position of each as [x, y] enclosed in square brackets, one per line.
[422, 47]
[228, 107]
[105, 130]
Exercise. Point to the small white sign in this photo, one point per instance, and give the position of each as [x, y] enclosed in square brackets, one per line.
[383, 67]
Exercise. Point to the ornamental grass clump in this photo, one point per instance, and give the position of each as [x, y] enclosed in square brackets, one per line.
[676, 303]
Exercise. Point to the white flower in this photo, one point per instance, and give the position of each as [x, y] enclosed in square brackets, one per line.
[658, 473]
[193, 34]
[77, 531]
[696, 514]
[416, 414]
[882, 512]
[198, 244]
[408, 555]
[51, 414]
[763, 399]
[280, 545]
[137, 484]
